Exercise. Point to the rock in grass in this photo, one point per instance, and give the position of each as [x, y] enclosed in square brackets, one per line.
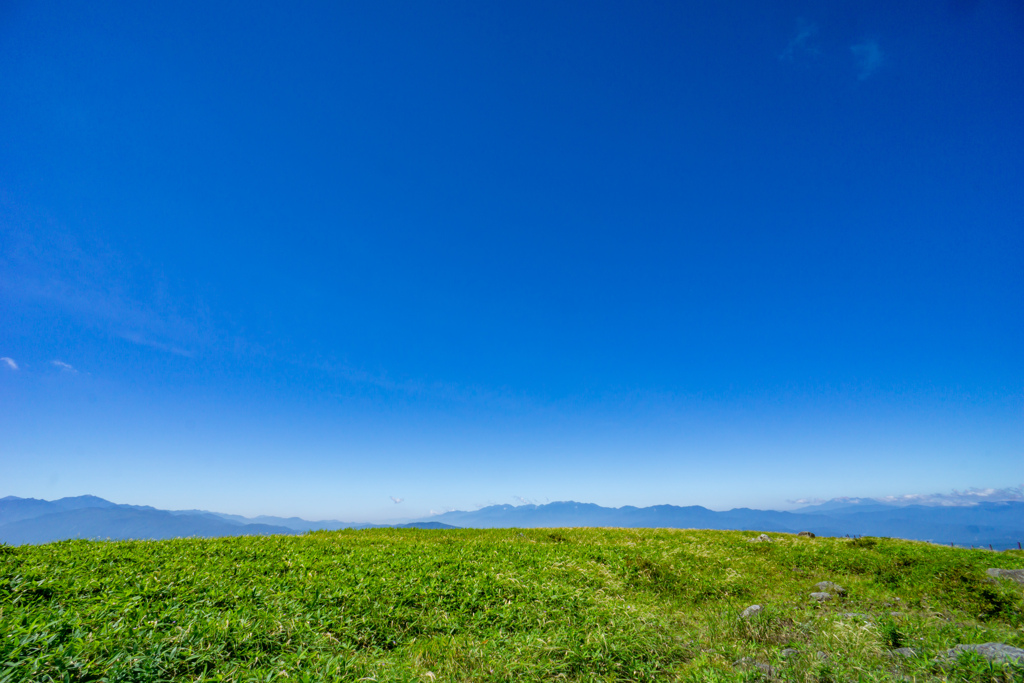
[854, 615]
[751, 611]
[789, 652]
[829, 587]
[1012, 574]
[905, 652]
[993, 652]
[821, 597]
[748, 663]
[806, 534]
[763, 538]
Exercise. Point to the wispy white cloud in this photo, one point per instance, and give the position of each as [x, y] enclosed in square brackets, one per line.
[125, 297]
[66, 367]
[396, 501]
[868, 57]
[806, 501]
[968, 497]
[9, 362]
[137, 338]
[802, 45]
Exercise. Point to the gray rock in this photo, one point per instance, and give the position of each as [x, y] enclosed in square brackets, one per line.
[828, 586]
[1011, 574]
[789, 652]
[806, 534]
[748, 663]
[854, 615]
[751, 611]
[905, 652]
[993, 652]
[763, 538]
[821, 597]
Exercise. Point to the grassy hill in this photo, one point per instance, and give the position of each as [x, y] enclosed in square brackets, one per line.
[501, 605]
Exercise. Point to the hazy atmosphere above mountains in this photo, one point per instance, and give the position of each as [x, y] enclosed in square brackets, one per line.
[384, 260]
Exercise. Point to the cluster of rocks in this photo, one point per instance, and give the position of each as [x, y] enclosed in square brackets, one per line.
[826, 590]
[765, 538]
[993, 652]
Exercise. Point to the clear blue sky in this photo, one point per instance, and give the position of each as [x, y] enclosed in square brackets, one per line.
[293, 258]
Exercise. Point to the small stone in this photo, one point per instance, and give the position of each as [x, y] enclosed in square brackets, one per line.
[821, 597]
[905, 652]
[854, 615]
[830, 587]
[748, 663]
[806, 534]
[789, 652]
[1011, 574]
[751, 611]
[993, 652]
[763, 538]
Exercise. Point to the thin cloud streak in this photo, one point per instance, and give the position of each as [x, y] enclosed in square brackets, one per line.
[66, 367]
[800, 45]
[9, 362]
[159, 346]
[396, 501]
[100, 287]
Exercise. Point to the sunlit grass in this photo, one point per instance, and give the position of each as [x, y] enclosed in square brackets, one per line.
[498, 605]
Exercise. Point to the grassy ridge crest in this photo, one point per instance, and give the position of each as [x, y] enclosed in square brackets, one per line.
[500, 605]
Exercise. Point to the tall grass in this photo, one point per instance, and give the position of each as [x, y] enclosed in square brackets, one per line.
[498, 605]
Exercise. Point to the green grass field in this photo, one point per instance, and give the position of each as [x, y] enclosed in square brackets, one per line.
[500, 605]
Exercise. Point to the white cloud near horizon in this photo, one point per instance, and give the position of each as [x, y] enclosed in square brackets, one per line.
[9, 362]
[395, 500]
[868, 56]
[67, 367]
[970, 496]
[967, 497]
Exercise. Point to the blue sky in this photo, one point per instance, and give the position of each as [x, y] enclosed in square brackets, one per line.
[306, 258]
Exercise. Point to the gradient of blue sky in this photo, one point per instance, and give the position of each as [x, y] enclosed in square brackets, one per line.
[301, 258]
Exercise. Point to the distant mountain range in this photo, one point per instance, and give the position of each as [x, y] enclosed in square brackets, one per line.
[999, 524]
[29, 520]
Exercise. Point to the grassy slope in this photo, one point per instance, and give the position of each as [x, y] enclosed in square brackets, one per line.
[495, 605]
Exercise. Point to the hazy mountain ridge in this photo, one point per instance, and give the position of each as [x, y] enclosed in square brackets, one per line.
[31, 520]
[1001, 524]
